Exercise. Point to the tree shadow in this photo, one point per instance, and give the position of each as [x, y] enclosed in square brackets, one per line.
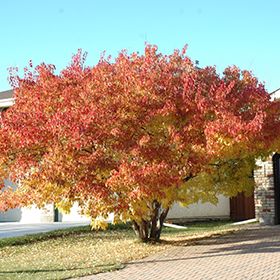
[256, 240]
[31, 271]
[250, 233]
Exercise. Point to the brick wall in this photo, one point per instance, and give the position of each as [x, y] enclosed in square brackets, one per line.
[264, 192]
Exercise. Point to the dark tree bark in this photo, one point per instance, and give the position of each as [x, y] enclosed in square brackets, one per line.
[149, 231]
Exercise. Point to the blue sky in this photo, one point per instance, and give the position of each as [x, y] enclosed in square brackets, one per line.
[245, 33]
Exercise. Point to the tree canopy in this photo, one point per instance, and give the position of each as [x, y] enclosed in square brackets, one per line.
[133, 135]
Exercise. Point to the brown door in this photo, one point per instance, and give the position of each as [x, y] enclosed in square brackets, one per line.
[242, 207]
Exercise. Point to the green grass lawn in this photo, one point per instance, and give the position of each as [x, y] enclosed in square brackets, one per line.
[79, 251]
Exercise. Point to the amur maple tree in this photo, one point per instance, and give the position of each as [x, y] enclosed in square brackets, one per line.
[133, 135]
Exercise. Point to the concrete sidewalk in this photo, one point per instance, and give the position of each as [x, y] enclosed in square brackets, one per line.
[251, 254]
[21, 229]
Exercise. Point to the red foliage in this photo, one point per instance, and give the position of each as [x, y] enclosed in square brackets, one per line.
[119, 135]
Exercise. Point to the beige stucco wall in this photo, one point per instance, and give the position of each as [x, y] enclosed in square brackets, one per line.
[201, 210]
[74, 215]
[35, 215]
[26, 214]
[13, 215]
[194, 211]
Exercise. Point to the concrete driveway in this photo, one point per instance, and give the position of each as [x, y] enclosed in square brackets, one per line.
[252, 254]
[20, 229]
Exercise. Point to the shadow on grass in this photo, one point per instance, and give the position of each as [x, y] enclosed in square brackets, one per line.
[104, 267]
[84, 231]
[250, 241]
[187, 240]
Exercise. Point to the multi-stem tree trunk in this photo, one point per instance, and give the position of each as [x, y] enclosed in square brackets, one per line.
[150, 230]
